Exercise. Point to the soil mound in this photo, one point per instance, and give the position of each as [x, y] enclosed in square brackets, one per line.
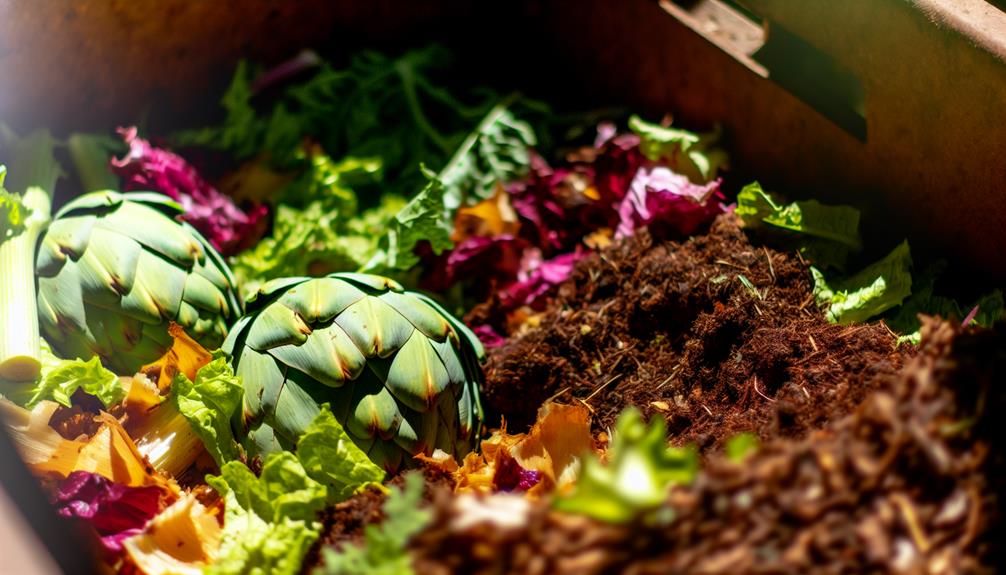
[715, 334]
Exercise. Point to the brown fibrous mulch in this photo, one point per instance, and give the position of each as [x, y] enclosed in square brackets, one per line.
[906, 483]
[715, 334]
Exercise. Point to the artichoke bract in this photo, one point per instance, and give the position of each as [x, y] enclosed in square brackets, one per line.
[398, 372]
[115, 269]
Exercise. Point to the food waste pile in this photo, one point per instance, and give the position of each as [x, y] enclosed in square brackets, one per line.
[372, 320]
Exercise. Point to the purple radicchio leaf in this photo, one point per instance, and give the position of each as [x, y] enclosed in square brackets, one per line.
[148, 168]
[115, 511]
[668, 202]
[537, 278]
[510, 476]
[489, 337]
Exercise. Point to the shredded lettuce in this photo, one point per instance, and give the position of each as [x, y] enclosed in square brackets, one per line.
[686, 153]
[383, 551]
[208, 404]
[640, 470]
[875, 289]
[826, 234]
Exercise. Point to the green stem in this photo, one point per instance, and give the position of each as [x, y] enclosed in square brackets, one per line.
[19, 343]
[409, 85]
[32, 180]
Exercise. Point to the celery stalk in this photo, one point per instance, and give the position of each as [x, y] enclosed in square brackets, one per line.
[25, 212]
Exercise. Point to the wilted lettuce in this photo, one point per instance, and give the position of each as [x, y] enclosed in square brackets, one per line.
[640, 470]
[496, 152]
[208, 404]
[424, 218]
[330, 457]
[875, 289]
[824, 234]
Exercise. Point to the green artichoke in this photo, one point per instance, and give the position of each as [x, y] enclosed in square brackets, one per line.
[398, 372]
[113, 271]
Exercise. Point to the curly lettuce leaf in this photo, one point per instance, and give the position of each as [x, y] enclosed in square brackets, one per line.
[60, 379]
[330, 457]
[208, 404]
[497, 151]
[269, 521]
[640, 470]
[383, 551]
[424, 218]
[687, 153]
[317, 227]
[875, 289]
[826, 234]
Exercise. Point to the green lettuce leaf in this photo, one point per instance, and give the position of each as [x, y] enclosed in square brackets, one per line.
[269, 521]
[740, 446]
[640, 470]
[383, 551]
[208, 404]
[875, 289]
[825, 234]
[497, 151]
[684, 152]
[905, 321]
[423, 218]
[330, 457]
[60, 379]
[317, 228]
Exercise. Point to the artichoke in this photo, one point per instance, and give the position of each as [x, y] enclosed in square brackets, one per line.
[114, 269]
[397, 371]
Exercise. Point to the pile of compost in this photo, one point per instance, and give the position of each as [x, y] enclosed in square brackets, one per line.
[875, 456]
[905, 483]
[713, 333]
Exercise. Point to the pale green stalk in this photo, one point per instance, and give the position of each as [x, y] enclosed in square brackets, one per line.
[29, 192]
[19, 339]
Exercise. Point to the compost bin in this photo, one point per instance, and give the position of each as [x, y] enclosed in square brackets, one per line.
[896, 107]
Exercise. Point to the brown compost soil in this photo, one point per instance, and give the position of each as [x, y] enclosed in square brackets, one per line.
[874, 458]
[714, 334]
[906, 483]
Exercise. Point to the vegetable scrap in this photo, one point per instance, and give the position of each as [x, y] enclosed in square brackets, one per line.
[377, 320]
